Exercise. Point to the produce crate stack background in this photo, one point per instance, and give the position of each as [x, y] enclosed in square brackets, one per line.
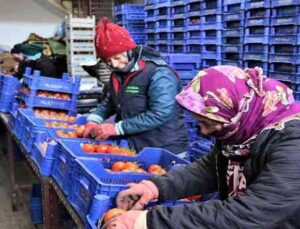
[9, 86]
[257, 34]
[80, 33]
[211, 32]
[44, 92]
[150, 23]
[233, 33]
[285, 40]
[131, 16]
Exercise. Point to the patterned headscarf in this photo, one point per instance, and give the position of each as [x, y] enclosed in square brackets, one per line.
[245, 101]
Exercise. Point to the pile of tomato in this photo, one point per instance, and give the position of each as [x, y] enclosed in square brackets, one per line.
[122, 166]
[53, 114]
[53, 95]
[107, 148]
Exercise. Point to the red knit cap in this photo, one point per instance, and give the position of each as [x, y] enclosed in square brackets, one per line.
[112, 39]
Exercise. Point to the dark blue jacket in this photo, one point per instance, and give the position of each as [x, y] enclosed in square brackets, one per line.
[144, 101]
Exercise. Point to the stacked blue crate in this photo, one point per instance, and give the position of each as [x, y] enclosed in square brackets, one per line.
[9, 86]
[257, 34]
[193, 26]
[178, 28]
[233, 33]
[150, 22]
[162, 13]
[131, 16]
[285, 43]
[211, 32]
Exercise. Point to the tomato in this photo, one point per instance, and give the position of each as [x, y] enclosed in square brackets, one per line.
[160, 171]
[140, 170]
[101, 148]
[129, 152]
[79, 130]
[71, 134]
[71, 119]
[112, 213]
[153, 168]
[89, 148]
[131, 166]
[112, 149]
[118, 166]
[60, 133]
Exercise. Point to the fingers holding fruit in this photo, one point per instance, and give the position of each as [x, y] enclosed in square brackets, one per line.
[88, 128]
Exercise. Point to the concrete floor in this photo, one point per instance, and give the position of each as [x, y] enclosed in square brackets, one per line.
[8, 219]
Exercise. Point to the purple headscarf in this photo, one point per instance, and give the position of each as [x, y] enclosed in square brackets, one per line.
[245, 101]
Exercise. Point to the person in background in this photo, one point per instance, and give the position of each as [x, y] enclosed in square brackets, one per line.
[143, 90]
[31, 55]
[254, 164]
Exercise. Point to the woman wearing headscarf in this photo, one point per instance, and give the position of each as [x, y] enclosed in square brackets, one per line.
[142, 94]
[31, 56]
[254, 164]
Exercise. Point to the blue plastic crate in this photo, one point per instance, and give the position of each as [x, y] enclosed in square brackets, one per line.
[38, 82]
[165, 48]
[289, 68]
[132, 16]
[37, 101]
[176, 47]
[193, 48]
[163, 13]
[9, 84]
[236, 32]
[278, 3]
[177, 11]
[4, 96]
[211, 52]
[209, 7]
[193, 7]
[35, 204]
[238, 16]
[256, 52]
[285, 58]
[178, 36]
[128, 8]
[250, 4]
[285, 49]
[259, 35]
[184, 61]
[285, 30]
[294, 86]
[236, 4]
[68, 150]
[187, 75]
[92, 178]
[4, 105]
[163, 24]
[284, 76]
[285, 39]
[258, 13]
[257, 22]
[233, 62]
[286, 11]
[162, 3]
[256, 63]
[297, 96]
[206, 63]
[176, 2]
[178, 25]
[150, 25]
[291, 20]
[149, 14]
[193, 36]
[236, 49]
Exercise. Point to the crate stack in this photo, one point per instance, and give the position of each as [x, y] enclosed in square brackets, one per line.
[150, 23]
[9, 86]
[162, 14]
[131, 16]
[44, 92]
[285, 40]
[257, 34]
[211, 32]
[80, 33]
[233, 33]
[178, 28]
[193, 26]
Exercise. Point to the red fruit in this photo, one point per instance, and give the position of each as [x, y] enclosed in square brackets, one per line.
[102, 148]
[89, 148]
[118, 166]
[112, 213]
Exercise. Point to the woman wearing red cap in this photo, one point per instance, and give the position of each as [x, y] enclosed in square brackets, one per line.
[143, 90]
[254, 165]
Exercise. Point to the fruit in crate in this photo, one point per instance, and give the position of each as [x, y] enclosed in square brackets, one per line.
[156, 169]
[25, 89]
[53, 114]
[112, 213]
[66, 134]
[109, 149]
[53, 95]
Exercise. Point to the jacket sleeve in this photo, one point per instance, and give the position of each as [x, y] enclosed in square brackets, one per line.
[103, 111]
[161, 93]
[271, 199]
